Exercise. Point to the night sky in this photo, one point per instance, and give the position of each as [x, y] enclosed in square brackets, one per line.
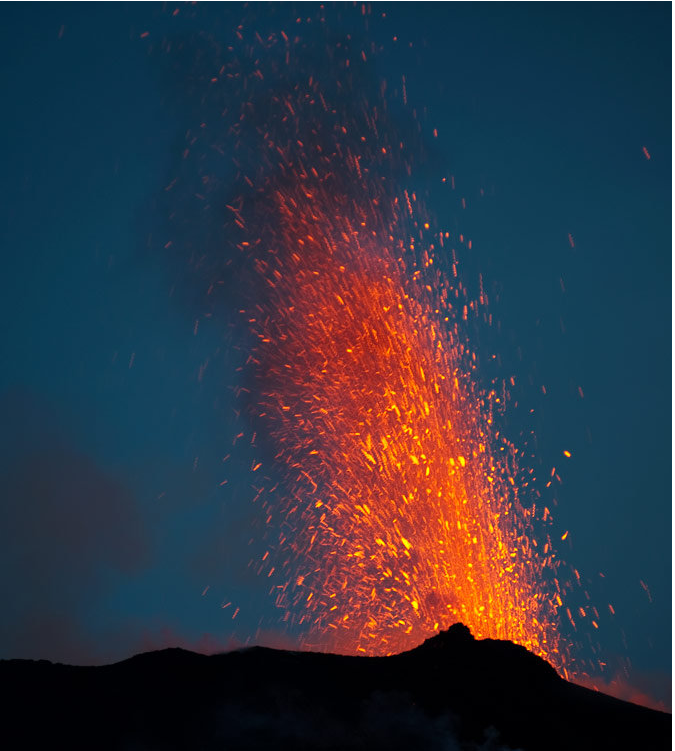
[555, 121]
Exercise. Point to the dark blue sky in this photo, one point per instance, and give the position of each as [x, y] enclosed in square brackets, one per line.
[114, 518]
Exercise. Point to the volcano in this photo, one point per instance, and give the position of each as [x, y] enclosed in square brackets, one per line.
[452, 692]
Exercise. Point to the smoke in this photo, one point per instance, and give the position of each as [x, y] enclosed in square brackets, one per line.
[68, 530]
[640, 687]
[384, 720]
[228, 125]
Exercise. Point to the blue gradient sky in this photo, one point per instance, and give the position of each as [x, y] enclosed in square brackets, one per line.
[114, 520]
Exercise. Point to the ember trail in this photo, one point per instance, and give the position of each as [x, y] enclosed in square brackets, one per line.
[399, 511]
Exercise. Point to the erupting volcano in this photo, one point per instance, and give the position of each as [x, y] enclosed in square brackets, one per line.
[324, 426]
[400, 507]
[403, 512]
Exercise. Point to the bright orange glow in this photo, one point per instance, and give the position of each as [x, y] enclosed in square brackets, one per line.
[395, 507]
[402, 513]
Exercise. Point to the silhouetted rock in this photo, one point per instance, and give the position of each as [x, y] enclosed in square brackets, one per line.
[452, 693]
[456, 634]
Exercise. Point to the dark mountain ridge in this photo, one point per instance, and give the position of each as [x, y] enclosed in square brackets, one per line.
[452, 693]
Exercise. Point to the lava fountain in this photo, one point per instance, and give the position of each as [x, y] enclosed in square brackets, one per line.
[392, 501]
[398, 511]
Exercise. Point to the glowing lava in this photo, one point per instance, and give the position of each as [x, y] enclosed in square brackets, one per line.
[394, 506]
[400, 511]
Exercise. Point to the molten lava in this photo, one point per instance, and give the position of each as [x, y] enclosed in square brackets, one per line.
[400, 512]
[393, 504]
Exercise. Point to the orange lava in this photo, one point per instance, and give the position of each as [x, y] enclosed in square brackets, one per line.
[393, 508]
[400, 513]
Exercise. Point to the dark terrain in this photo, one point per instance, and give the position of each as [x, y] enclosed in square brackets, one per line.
[450, 693]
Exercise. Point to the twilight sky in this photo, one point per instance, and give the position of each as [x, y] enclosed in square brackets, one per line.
[554, 119]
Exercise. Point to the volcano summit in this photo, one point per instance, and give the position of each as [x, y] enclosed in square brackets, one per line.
[451, 692]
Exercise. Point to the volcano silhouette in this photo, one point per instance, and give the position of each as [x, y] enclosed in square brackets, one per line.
[452, 693]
